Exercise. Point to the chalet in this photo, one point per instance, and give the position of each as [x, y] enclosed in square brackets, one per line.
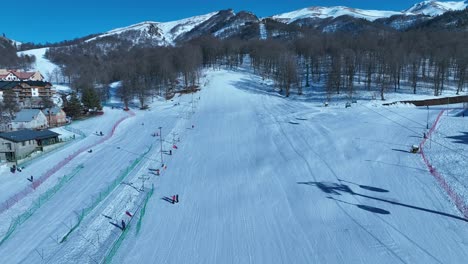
[29, 93]
[14, 75]
[55, 116]
[17, 145]
[29, 119]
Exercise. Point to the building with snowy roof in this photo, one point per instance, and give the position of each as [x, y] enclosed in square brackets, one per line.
[29, 119]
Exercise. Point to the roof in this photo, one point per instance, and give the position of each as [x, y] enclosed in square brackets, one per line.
[27, 134]
[8, 85]
[4, 85]
[26, 115]
[36, 83]
[53, 111]
[23, 75]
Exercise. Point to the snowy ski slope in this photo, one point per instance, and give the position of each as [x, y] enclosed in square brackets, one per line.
[261, 179]
[278, 181]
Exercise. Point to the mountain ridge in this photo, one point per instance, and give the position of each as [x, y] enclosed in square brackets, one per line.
[245, 25]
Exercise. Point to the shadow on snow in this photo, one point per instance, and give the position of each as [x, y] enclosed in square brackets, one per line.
[339, 188]
[461, 139]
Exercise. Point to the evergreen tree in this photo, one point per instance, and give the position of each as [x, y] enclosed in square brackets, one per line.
[73, 107]
[90, 99]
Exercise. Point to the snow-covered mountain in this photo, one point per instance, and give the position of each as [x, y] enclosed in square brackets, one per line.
[435, 8]
[224, 23]
[332, 12]
[246, 25]
[159, 33]
[428, 8]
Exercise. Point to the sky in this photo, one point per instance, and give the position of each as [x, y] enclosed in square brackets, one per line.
[57, 20]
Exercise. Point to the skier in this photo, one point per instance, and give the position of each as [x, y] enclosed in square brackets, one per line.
[173, 199]
[170, 152]
[193, 126]
[123, 225]
[101, 133]
[177, 198]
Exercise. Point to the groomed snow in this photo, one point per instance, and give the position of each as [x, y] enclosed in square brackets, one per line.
[263, 179]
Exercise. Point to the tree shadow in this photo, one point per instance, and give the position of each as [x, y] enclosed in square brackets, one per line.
[338, 188]
[368, 208]
[365, 187]
[461, 139]
[330, 187]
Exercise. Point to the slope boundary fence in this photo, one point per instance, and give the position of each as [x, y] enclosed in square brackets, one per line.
[453, 195]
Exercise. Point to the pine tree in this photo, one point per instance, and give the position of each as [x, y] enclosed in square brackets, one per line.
[73, 107]
[90, 99]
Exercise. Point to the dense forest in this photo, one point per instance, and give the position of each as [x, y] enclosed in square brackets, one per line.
[339, 62]
[9, 59]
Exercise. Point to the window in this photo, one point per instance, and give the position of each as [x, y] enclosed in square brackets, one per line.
[34, 92]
